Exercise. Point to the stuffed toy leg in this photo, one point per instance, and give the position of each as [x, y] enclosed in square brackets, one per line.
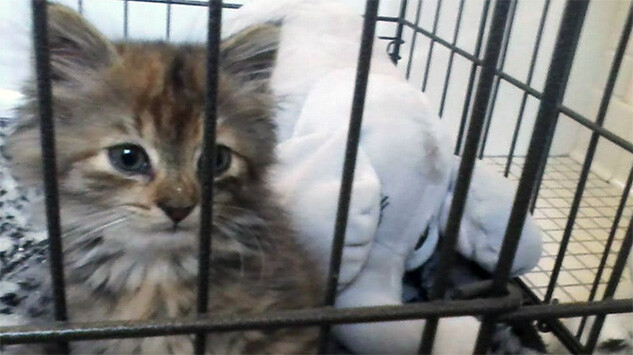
[484, 222]
[380, 283]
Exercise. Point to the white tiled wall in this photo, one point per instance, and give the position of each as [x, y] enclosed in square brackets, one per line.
[517, 64]
[611, 162]
[603, 25]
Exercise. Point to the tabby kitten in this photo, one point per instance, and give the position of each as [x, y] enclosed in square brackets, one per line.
[129, 120]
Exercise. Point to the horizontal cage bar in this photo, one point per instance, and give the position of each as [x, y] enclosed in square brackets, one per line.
[187, 2]
[311, 317]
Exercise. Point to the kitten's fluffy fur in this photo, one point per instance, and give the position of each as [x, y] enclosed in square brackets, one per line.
[123, 257]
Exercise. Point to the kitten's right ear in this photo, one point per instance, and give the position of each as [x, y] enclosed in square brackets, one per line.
[77, 49]
[251, 53]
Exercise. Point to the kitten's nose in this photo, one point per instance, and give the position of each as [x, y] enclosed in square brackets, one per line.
[176, 214]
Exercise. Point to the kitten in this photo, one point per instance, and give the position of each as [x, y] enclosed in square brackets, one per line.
[129, 120]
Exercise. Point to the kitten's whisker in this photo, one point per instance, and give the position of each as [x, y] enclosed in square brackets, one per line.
[84, 236]
[253, 52]
[261, 254]
[93, 216]
[105, 226]
[256, 73]
[84, 240]
[225, 231]
[244, 235]
[80, 227]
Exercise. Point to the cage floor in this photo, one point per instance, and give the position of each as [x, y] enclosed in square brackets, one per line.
[591, 229]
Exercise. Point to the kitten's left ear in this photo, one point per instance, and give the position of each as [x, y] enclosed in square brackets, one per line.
[77, 48]
[251, 53]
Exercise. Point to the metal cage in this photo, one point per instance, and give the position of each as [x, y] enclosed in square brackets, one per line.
[494, 301]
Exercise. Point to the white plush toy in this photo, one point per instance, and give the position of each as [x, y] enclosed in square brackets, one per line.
[404, 175]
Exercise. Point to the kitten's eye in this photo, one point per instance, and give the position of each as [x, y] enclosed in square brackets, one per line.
[129, 158]
[222, 159]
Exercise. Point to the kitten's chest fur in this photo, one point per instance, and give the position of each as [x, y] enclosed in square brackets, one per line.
[154, 299]
[128, 286]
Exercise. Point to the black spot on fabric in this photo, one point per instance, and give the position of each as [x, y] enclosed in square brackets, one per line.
[10, 299]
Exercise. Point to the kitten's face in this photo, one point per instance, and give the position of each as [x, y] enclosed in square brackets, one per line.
[129, 124]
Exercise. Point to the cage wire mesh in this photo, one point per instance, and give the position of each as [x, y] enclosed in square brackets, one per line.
[512, 80]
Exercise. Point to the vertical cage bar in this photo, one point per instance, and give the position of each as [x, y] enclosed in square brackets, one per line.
[495, 90]
[414, 36]
[482, 98]
[449, 68]
[395, 55]
[591, 150]
[562, 59]
[535, 51]
[168, 19]
[539, 178]
[429, 56]
[541, 173]
[206, 170]
[125, 18]
[351, 150]
[607, 248]
[548, 145]
[49, 164]
[616, 274]
[471, 79]
[80, 6]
